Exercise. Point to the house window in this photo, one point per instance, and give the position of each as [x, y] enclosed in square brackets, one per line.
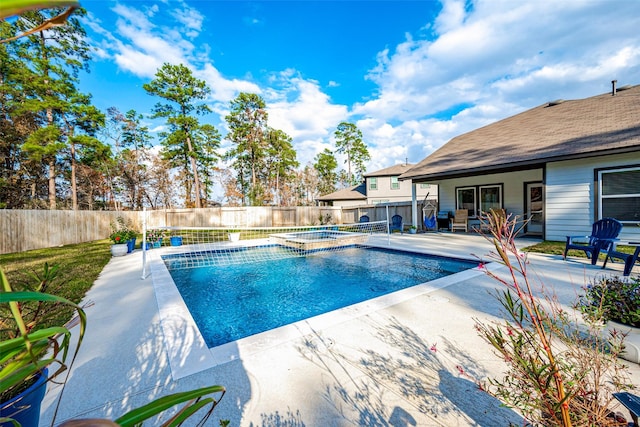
[395, 185]
[490, 197]
[423, 185]
[466, 199]
[373, 183]
[620, 194]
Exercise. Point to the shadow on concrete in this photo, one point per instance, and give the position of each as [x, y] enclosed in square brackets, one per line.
[410, 382]
[289, 419]
[123, 361]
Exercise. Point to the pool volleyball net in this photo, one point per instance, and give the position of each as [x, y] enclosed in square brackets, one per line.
[189, 247]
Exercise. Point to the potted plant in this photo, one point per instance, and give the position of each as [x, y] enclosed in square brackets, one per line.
[131, 242]
[33, 348]
[615, 301]
[234, 235]
[154, 238]
[413, 229]
[175, 239]
[120, 235]
[36, 347]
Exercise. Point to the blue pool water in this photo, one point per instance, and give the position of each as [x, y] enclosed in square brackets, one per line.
[230, 301]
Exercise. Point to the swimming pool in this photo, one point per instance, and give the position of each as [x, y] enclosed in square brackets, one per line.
[230, 301]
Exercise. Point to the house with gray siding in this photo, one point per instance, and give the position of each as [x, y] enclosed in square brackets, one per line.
[385, 186]
[380, 187]
[562, 165]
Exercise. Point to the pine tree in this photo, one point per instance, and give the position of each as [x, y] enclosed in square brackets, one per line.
[349, 142]
[248, 131]
[54, 56]
[176, 84]
[326, 165]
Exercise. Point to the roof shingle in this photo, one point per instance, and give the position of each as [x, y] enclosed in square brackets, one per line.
[357, 192]
[553, 131]
[391, 171]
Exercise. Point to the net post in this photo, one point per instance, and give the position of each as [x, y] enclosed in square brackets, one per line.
[144, 243]
[388, 229]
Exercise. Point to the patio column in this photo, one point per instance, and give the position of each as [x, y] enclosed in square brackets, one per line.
[414, 205]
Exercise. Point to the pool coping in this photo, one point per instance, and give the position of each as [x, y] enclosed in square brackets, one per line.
[189, 354]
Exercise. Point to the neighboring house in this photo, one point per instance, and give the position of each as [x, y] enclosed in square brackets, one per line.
[564, 165]
[352, 196]
[382, 186]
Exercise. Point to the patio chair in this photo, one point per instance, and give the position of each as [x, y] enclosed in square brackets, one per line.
[603, 234]
[629, 259]
[498, 216]
[632, 403]
[364, 218]
[460, 221]
[396, 224]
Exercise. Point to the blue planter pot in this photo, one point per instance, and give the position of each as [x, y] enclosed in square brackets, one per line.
[157, 243]
[176, 240]
[30, 399]
[131, 245]
[148, 245]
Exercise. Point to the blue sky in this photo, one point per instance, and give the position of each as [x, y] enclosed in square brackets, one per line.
[410, 74]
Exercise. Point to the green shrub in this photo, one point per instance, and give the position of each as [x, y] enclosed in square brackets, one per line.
[613, 298]
[557, 374]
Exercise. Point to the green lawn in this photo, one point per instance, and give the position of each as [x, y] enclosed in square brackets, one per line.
[556, 248]
[79, 264]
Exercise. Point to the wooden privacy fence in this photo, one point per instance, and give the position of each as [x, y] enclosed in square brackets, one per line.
[249, 216]
[379, 213]
[23, 230]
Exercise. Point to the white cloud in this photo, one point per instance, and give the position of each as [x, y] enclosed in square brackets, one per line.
[190, 18]
[139, 63]
[451, 16]
[477, 62]
[223, 89]
[299, 108]
[490, 59]
[140, 47]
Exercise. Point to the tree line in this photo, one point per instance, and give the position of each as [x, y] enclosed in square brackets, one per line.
[58, 151]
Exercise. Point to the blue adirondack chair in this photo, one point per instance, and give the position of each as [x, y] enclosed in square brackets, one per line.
[603, 234]
[629, 259]
[364, 218]
[396, 224]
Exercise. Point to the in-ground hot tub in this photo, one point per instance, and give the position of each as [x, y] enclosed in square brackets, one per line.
[318, 239]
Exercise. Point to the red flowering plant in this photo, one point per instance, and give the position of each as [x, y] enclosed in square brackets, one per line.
[561, 369]
[120, 231]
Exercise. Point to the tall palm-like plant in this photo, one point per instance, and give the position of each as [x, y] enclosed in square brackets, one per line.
[16, 7]
[33, 343]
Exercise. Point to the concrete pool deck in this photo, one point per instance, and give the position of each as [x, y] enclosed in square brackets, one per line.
[405, 362]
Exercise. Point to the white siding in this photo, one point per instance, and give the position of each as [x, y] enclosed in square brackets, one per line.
[571, 196]
[512, 182]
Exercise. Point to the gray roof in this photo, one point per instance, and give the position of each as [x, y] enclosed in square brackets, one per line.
[559, 130]
[356, 192]
[391, 171]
